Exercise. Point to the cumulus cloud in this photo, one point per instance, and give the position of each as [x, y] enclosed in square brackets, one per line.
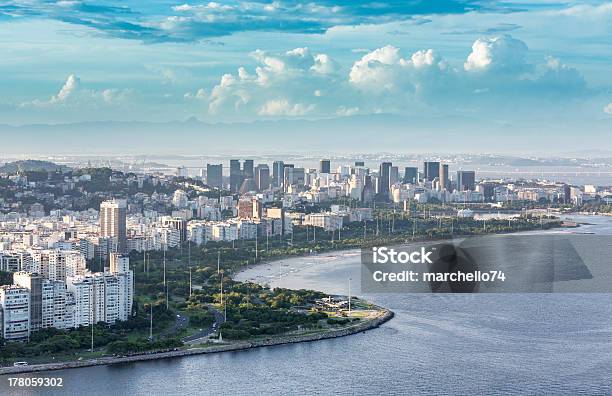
[282, 84]
[301, 83]
[608, 109]
[68, 90]
[500, 53]
[72, 93]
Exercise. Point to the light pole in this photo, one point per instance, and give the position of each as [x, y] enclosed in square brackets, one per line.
[349, 295]
[151, 324]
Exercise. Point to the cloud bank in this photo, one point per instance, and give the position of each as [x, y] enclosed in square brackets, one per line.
[495, 74]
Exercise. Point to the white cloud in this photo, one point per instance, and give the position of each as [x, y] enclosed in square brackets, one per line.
[200, 94]
[376, 70]
[608, 109]
[68, 90]
[500, 53]
[282, 85]
[298, 82]
[73, 94]
[282, 107]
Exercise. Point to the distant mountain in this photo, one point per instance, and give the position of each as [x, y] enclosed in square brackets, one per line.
[31, 165]
[360, 133]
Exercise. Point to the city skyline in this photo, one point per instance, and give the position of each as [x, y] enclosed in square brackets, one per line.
[474, 74]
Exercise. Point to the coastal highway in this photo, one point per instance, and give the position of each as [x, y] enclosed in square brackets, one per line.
[219, 319]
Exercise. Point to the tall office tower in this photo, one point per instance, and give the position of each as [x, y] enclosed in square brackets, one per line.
[384, 175]
[287, 176]
[359, 163]
[34, 283]
[325, 166]
[488, 191]
[567, 193]
[278, 169]
[411, 175]
[235, 175]
[299, 176]
[247, 171]
[262, 177]
[15, 304]
[466, 180]
[444, 181]
[120, 267]
[214, 175]
[393, 176]
[431, 170]
[113, 215]
[368, 190]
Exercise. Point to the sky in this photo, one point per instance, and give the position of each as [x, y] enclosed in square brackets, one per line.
[474, 67]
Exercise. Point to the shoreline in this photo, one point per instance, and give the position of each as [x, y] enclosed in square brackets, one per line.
[384, 316]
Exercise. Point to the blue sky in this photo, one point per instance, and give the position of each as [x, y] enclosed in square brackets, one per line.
[545, 63]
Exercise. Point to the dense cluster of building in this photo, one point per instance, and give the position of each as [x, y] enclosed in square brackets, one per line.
[48, 250]
[50, 293]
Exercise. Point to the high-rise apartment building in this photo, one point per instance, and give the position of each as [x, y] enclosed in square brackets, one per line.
[96, 298]
[34, 283]
[113, 215]
[15, 310]
[120, 267]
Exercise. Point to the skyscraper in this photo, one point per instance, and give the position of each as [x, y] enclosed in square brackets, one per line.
[247, 171]
[393, 176]
[411, 175]
[384, 175]
[431, 170]
[444, 181]
[214, 175]
[466, 180]
[325, 166]
[278, 173]
[287, 176]
[235, 175]
[262, 177]
[113, 216]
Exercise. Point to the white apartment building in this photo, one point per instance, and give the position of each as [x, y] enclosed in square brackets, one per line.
[14, 261]
[328, 221]
[15, 310]
[96, 298]
[120, 267]
[196, 232]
